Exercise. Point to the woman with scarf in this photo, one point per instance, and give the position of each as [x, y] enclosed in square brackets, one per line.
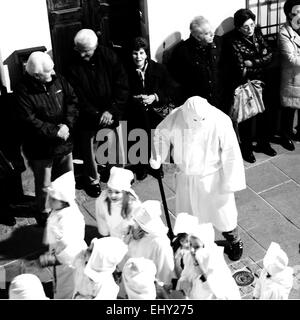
[115, 205]
[150, 85]
[95, 267]
[247, 57]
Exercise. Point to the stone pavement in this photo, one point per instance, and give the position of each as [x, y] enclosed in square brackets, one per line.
[269, 210]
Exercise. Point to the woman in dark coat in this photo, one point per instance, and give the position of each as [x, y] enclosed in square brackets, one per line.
[150, 85]
[249, 55]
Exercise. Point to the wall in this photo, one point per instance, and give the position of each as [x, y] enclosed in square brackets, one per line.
[169, 20]
[23, 24]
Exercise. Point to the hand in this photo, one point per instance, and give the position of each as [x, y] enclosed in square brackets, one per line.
[248, 63]
[147, 100]
[63, 132]
[155, 163]
[106, 119]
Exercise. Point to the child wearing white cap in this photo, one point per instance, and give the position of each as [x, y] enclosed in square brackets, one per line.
[149, 240]
[276, 279]
[64, 233]
[115, 205]
[26, 286]
[94, 269]
[206, 275]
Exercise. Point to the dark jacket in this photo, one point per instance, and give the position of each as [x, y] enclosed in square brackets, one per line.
[238, 49]
[197, 69]
[101, 85]
[157, 80]
[41, 108]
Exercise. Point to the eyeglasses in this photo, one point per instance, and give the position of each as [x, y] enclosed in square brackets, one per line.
[248, 27]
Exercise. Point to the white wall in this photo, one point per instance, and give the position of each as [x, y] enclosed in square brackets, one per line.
[23, 24]
[169, 19]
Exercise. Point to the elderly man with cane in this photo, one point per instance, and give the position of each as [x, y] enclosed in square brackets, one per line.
[207, 153]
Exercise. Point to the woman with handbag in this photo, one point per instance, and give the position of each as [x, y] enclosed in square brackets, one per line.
[289, 52]
[249, 56]
[150, 85]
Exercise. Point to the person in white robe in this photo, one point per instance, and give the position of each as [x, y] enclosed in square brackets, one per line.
[115, 205]
[276, 278]
[64, 233]
[149, 240]
[26, 286]
[95, 267]
[207, 154]
[206, 275]
[138, 277]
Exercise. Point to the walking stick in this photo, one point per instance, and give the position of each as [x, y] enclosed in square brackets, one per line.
[164, 201]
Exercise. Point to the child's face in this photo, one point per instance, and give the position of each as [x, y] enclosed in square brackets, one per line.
[55, 204]
[114, 195]
[184, 242]
[195, 244]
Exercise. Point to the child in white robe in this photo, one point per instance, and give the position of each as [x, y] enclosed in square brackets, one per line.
[138, 277]
[276, 279]
[206, 275]
[26, 286]
[115, 205]
[94, 269]
[64, 233]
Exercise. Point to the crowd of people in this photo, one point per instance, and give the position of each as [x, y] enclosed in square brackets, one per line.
[134, 256]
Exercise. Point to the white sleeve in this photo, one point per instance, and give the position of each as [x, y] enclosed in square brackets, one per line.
[287, 50]
[232, 162]
[100, 211]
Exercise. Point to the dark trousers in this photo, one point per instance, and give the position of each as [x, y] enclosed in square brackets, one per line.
[44, 172]
[287, 121]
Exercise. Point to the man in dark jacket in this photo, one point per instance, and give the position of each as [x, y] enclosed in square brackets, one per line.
[195, 63]
[47, 109]
[101, 85]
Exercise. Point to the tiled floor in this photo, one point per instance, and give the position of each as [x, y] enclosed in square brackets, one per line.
[269, 210]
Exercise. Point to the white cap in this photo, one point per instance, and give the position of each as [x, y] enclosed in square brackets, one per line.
[107, 253]
[148, 218]
[120, 179]
[138, 276]
[185, 223]
[275, 260]
[63, 188]
[204, 232]
[26, 287]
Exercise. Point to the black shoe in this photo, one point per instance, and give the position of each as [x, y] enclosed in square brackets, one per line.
[93, 190]
[7, 220]
[41, 221]
[235, 251]
[141, 175]
[287, 143]
[248, 156]
[266, 149]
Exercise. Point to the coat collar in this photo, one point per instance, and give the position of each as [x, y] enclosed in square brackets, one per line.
[291, 33]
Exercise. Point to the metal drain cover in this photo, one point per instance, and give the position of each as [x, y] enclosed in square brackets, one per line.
[243, 278]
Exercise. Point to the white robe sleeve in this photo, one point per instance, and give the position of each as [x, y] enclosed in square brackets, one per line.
[232, 162]
[100, 211]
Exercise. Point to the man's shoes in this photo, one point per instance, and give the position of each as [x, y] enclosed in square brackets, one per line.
[248, 155]
[235, 250]
[266, 149]
[141, 175]
[7, 220]
[287, 144]
[93, 190]
[41, 221]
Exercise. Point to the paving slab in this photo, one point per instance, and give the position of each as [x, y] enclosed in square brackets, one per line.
[265, 176]
[285, 199]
